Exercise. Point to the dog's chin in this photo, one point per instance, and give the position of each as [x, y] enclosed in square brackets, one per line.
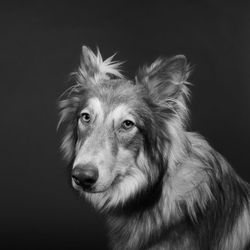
[93, 190]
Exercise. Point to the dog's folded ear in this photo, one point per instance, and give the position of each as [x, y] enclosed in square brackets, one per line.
[165, 78]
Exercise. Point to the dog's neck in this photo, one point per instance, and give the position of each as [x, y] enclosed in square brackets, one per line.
[159, 218]
[139, 224]
[148, 218]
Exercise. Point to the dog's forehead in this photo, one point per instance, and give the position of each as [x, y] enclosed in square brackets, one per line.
[117, 91]
[113, 98]
[114, 93]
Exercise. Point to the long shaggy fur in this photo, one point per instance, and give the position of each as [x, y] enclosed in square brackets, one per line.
[160, 186]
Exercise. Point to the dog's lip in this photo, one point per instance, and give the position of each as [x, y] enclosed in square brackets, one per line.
[92, 190]
[87, 189]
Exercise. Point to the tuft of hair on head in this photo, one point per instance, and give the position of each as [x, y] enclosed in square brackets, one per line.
[93, 69]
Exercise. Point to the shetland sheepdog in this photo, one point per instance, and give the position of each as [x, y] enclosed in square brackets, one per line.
[131, 157]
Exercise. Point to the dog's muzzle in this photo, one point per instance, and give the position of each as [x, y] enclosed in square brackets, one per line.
[85, 175]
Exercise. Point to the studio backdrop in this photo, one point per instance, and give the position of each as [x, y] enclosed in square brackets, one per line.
[41, 44]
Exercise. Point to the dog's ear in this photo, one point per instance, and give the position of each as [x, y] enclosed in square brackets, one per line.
[165, 78]
[88, 62]
[94, 68]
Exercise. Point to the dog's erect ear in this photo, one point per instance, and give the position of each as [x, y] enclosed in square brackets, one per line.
[92, 67]
[88, 62]
[165, 78]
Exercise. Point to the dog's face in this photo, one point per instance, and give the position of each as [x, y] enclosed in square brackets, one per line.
[117, 135]
[109, 138]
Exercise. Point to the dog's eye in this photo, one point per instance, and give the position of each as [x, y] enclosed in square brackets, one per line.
[127, 124]
[85, 117]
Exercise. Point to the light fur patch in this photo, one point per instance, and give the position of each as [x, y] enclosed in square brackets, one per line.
[239, 236]
[188, 184]
[95, 105]
[120, 112]
[96, 110]
[132, 177]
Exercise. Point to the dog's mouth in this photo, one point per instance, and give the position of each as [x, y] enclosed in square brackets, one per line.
[94, 188]
[86, 188]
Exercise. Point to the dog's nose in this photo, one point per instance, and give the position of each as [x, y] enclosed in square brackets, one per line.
[85, 175]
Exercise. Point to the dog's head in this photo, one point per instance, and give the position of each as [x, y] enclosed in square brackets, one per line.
[119, 133]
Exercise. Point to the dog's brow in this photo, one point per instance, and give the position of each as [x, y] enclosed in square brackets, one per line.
[96, 105]
[118, 112]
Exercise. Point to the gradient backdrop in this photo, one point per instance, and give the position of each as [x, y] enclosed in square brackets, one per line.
[40, 45]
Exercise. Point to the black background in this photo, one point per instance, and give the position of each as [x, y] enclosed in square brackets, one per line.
[41, 44]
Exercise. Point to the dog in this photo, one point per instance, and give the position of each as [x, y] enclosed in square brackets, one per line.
[131, 157]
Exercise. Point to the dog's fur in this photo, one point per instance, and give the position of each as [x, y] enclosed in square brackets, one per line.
[160, 186]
